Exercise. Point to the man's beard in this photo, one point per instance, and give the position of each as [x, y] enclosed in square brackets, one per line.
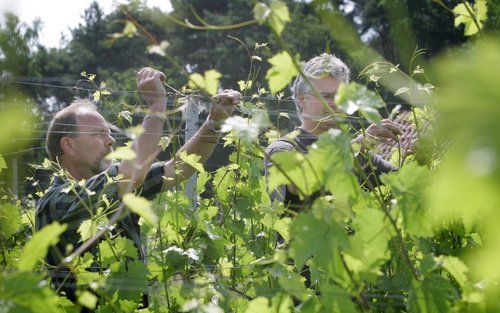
[100, 165]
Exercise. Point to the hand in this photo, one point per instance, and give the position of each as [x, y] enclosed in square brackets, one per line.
[387, 129]
[149, 84]
[375, 133]
[223, 105]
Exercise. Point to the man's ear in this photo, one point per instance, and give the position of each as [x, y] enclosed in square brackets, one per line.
[67, 146]
[301, 102]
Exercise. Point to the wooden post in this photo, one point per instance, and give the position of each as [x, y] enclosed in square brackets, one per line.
[191, 129]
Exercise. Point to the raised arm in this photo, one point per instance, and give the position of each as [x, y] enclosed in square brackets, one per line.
[204, 141]
[149, 84]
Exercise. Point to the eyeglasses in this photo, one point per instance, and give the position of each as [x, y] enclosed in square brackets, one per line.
[329, 97]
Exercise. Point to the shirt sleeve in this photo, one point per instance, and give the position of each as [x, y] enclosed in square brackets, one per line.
[153, 183]
[75, 203]
[372, 166]
[278, 193]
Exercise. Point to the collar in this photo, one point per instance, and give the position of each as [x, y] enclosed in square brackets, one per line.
[58, 180]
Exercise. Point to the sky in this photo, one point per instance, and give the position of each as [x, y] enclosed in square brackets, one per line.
[58, 16]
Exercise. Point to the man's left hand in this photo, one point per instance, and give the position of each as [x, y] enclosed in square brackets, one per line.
[376, 133]
[387, 129]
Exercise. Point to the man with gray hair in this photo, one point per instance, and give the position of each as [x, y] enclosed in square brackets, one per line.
[325, 73]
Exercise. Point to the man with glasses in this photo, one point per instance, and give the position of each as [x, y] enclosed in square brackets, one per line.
[79, 138]
[325, 72]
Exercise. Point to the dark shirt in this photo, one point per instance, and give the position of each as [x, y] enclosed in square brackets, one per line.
[373, 165]
[68, 202]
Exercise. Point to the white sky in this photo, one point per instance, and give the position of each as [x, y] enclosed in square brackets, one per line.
[58, 16]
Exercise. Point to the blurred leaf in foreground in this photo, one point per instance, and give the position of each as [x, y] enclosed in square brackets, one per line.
[468, 180]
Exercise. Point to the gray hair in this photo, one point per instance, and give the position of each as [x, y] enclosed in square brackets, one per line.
[64, 124]
[317, 68]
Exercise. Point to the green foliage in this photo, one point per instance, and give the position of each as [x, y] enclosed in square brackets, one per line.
[355, 97]
[192, 160]
[37, 246]
[3, 165]
[408, 186]
[111, 251]
[135, 273]
[140, 206]
[209, 82]
[466, 183]
[431, 295]
[27, 292]
[246, 129]
[276, 14]
[10, 220]
[122, 153]
[420, 243]
[471, 16]
[370, 244]
[282, 71]
[87, 299]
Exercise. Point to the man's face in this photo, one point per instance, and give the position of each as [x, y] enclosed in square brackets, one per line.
[93, 142]
[312, 107]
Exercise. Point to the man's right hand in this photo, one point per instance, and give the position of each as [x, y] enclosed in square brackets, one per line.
[149, 84]
[223, 104]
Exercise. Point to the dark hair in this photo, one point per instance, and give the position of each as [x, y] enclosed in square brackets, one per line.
[64, 124]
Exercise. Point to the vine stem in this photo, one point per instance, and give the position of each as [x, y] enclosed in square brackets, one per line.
[392, 221]
[241, 293]
[359, 296]
[3, 253]
[301, 73]
[444, 6]
[164, 281]
[233, 239]
[472, 16]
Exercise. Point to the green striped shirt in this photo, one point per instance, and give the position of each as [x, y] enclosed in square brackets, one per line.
[70, 202]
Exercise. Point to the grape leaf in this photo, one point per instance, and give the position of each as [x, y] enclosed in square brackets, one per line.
[408, 185]
[369, 244]
[120, 247]
[10, 220]
[122, 153]
[192, 160]
[129, 30]
[356, 97]
[135, 273]
[307, 229]
[140, 206]
[336, 300]
[456, 268]
[87, 229]
[279, 16]
[26, 292]
[431, 295]
[87, 299]
[281, 72]
[261, 11]
[259, 304]
[208, 82]
[463, 16]
[38, 245]
[293, 284]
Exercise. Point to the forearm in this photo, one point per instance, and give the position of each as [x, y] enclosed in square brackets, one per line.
[146, 148]
[202, 144]
[146, 144]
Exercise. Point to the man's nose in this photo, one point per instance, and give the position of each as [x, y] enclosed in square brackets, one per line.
[110, 140]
